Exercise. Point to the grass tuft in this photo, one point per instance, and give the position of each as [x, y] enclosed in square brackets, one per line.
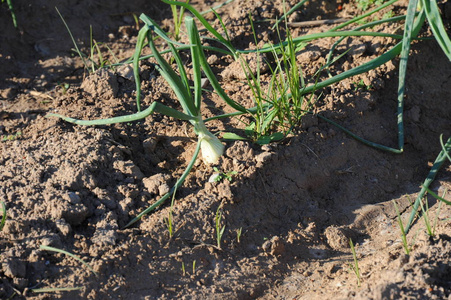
[219, 228]
[355, 267]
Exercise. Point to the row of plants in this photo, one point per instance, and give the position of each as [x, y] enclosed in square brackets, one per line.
[279, 107]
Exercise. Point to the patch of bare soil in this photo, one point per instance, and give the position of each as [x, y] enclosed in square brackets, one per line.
[288, 213]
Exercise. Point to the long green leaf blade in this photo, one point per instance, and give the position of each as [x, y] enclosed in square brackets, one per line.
[202, 20]
[195, 39]
[315, 36]
[175, 52]
[437, 27]
[356, 19]
[154, 107]
[157, 29]
[142, 35]
[438, 197]
[441, 158]
[174, 81]
[408, 30]
[197, 74]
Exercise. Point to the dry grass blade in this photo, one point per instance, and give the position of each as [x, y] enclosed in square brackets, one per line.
[55, 290]
[48, 248]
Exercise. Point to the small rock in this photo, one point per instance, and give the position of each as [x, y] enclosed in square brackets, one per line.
[52, 240]
[212, 59]
[163, 189]
[74, 214]
[101, 84]
[275, 246]
[12, 227]
[129, 168]
[308, 55]
[106, 230]
[266, 247]
[264, 156]
[72, 197]
[338, 237]
[126, 71]
[414, 114]
[153, 183]
[358, 48]
[125, 31]
[240, 150]
[150, 144]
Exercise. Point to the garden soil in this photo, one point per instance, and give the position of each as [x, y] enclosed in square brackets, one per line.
[290, 207]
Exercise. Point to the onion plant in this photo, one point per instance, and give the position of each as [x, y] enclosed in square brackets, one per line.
[188, 97]
[414, 21]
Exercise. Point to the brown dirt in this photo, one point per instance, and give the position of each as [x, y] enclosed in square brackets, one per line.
[297, 202]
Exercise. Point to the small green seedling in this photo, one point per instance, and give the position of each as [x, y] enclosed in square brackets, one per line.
[219, 229]
[355, 267]
[2, 222]
[362, 85]
[184, 272]
[10, 137]
[365, 4]
[239, 231]
[90, 61]
[101, 61]
[177, 15]
[170, 219]
[219, 176]
[194, 267]
[430, 228]
[405, 244]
